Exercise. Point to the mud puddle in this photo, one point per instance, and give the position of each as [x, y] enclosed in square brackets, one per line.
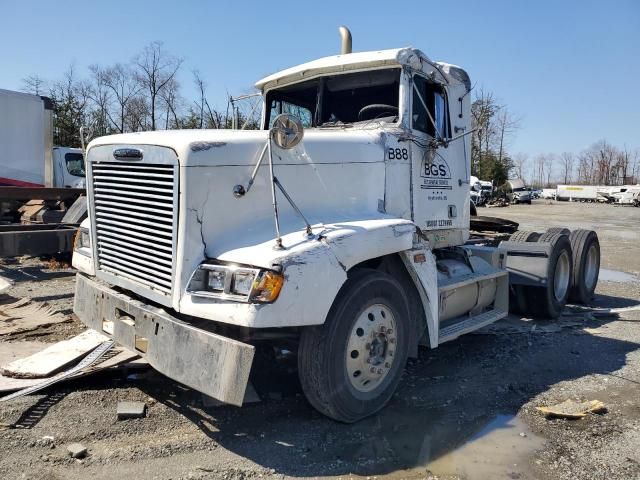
[502, 449]
[617, 276]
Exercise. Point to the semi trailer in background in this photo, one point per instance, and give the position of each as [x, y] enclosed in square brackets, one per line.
[577, 193]
[28, 157]
[41, 185]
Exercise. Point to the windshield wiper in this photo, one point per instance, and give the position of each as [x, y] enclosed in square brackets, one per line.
[335, 124]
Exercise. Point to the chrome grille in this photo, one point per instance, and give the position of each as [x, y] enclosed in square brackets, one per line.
[134, 208]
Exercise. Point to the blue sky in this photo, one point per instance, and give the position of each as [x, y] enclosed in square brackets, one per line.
[570, 69]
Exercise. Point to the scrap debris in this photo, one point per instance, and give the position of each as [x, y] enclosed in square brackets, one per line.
[54, 358]
[5, 284]
[127, 410]
[572, 409]
[86, 362]
[24, 315]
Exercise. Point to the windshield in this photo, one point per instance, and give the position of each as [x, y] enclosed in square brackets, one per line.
[339, 99]
[75, 164]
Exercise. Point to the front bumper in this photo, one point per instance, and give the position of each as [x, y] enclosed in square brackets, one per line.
[212, 364]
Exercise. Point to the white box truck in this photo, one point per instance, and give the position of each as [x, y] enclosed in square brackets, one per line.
[27, 155]
[340, 229]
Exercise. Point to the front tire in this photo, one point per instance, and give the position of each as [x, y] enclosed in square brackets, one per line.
[350, 366]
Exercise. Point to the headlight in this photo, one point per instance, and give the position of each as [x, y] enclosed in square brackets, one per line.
[232, 282]
[82, 241]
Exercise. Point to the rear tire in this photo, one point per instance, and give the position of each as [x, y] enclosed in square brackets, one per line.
[548, 301]
[586, 265]
[560, 230]
[348, 367]
[524, 236]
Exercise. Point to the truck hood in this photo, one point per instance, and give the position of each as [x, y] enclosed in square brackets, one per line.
[200, 148]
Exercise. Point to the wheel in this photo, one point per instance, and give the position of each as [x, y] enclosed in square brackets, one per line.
[472, 209]
[524, 236]
[548, 301]
[528, 202]
[560, 230]
[350, 366]
[586, 265]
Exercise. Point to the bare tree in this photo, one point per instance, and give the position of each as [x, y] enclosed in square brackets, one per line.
[566, 162]
[506, 126]
[539, 169]
[519, 163]
[71, 101]
[549, 160]
[124, 86]
[171, 100]
[34, 84]
[155, 70]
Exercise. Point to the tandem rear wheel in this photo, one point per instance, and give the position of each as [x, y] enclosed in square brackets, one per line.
[572, 272]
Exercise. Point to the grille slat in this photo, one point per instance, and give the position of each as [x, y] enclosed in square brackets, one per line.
[132, 208]
[139, 243]
[136, 201]
[125, 252]
[139, 221]
[124, 213]
[115, 230]
[136, 221]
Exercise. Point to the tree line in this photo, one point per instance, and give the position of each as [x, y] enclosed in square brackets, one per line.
[600, 164]
[495, 127]
[139, 95]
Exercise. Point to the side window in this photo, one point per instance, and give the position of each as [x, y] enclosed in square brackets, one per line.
[75, 164]
[282, 106]
[436, 114]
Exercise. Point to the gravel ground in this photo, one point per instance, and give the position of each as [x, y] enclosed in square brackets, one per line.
[464, 410]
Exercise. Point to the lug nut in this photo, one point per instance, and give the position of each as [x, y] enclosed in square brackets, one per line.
[392, 340]
[383, 329]
[391, 353]
[388, 365]
[380, 371]
[373, 370]
[390, 331]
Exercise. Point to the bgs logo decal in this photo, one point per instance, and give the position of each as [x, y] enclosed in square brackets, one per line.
[435, 173]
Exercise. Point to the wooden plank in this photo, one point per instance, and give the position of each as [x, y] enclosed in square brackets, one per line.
[54, 358]
[122, 357]
[25, 315]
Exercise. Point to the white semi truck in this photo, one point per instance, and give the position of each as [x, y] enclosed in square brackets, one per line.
[27, 155]
[341, 230]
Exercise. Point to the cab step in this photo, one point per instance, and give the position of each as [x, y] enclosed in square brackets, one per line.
[465, 324]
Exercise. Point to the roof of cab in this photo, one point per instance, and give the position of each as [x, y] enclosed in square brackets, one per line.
[396, 57]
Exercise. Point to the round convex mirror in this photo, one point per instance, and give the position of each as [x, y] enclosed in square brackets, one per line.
[287, 131]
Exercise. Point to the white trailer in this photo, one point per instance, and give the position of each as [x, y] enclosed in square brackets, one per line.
[27, 155]
[549, 193]
[341, 232]
[577, 193]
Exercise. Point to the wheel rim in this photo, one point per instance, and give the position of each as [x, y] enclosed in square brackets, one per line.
[561, 276]
[371, 349]
[591, 267]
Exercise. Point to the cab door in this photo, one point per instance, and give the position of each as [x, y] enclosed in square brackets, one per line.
[440, 176]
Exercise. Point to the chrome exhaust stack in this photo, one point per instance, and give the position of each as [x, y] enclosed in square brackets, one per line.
[345, 40]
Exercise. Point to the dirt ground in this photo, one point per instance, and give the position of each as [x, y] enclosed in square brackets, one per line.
[464, 410]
